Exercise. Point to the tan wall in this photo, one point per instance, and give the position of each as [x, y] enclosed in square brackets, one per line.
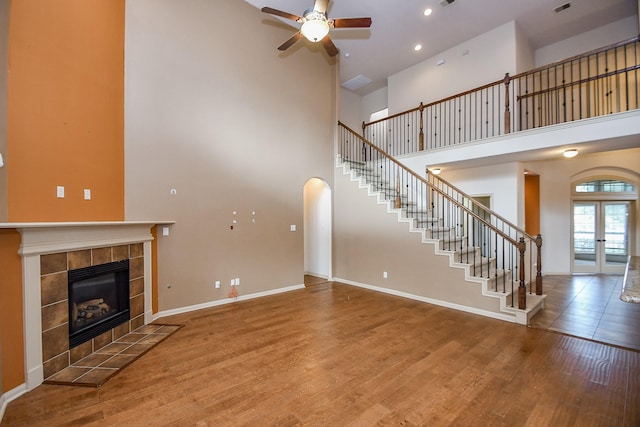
[369, 241]
[216, 112]
[65, 110]
[11, 339]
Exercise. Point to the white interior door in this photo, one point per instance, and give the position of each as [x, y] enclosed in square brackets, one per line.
[600, 236]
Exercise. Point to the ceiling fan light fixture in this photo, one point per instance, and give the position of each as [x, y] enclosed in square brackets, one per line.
[315, 27]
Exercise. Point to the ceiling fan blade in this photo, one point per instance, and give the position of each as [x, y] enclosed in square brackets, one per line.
[331, 48]
[286, 45]
[277, 12]
[352, 23]
[321, 6]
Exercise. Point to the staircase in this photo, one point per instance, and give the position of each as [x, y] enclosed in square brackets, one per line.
[492, 253]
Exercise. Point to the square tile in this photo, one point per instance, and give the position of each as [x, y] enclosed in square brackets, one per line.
[96, 376]
[147, 329]
[137, 349]
[119, 361]
[93, 360]
[67, 375]
[113, 348]
[131, 338]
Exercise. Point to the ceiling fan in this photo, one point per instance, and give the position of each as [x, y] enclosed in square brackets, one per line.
[315, 25]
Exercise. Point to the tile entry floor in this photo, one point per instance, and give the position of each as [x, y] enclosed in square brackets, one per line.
[95, 369]
[589, 306]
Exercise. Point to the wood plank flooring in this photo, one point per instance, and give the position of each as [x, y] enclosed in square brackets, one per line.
[337, 355]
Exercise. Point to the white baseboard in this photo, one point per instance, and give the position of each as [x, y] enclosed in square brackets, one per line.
[447, 304]
[216, 303]
[9, 396]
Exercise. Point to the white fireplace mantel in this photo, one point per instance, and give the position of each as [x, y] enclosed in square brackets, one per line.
[39, 238]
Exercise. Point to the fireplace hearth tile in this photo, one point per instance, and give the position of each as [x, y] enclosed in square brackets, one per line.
[152, 339]
[93, 360]
[119, 361]
[113, 348]
[95, 369]
[138, 349]
[67, 375]
[132, 338]
[97, 376]
[148, 329]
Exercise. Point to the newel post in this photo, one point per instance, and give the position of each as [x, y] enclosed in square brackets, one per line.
[364, 147]
[507, 112]
[522, 289]
[539, 265]
[421, 134]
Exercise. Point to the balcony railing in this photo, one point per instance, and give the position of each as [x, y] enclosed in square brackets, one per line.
[597, 83]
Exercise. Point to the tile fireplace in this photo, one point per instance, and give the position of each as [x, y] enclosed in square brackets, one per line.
[51, 254]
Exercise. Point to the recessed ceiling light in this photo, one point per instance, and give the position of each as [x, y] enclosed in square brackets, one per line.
[417, 47]
[427, 12]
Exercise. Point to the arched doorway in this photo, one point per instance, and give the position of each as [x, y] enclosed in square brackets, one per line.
[603, 229]
[317, 228]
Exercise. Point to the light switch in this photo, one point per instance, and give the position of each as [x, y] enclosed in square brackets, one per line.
[60, 192]
[165, 231]
[293, 227]
[87, 194]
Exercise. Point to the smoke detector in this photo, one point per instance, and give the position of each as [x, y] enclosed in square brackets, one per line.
[445, 3]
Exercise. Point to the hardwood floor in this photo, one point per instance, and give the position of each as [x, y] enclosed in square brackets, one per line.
[337, 355]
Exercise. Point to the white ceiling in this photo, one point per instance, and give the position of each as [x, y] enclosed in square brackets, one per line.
[398, 25]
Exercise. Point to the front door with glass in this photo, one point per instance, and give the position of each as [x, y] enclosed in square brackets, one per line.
[600, 236]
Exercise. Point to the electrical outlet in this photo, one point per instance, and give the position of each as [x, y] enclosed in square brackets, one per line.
[217, 285]
[384, 275]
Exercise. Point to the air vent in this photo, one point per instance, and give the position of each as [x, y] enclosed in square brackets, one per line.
[562, 7]
[445, 3]
[357, 82]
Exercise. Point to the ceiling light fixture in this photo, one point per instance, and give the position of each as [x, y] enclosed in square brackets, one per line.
[427, 12]
[315, 26]
[436, 171]
[570, 153]
[417, 47]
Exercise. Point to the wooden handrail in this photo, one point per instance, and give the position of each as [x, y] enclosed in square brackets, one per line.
[579, 82]
[489, 211]
[517, 76]
[430, 185]
[576, 57]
